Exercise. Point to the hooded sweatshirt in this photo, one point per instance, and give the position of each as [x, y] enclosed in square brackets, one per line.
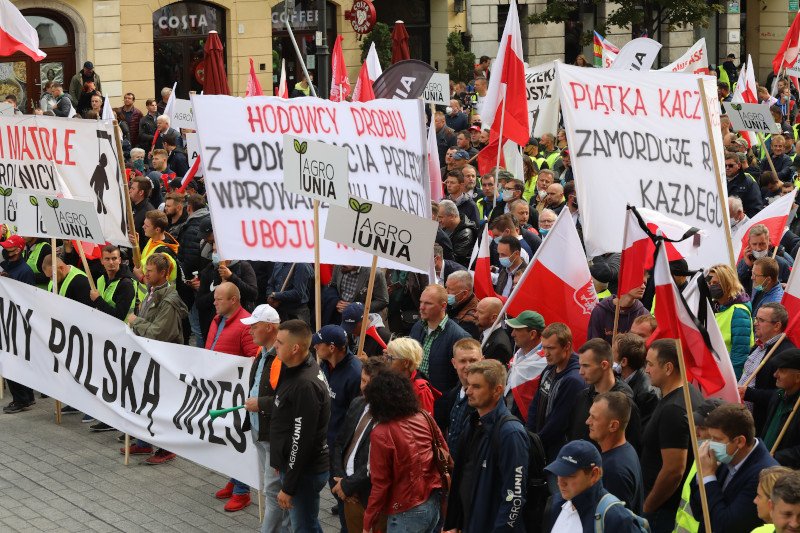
[601, 323]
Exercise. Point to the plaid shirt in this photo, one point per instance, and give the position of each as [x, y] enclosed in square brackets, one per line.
[347, 288]
[427, 342]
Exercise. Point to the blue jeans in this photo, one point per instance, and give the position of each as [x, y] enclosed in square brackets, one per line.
[420, 519]
[304, 513]
[661, 521]
[239, 487]
[194, 322]
[276, 520]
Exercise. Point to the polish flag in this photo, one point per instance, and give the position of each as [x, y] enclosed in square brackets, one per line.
[108, 114]
[487, 157]
[523, 380]
[434, 172]
[16, 34]
[791, 301]
[167, 112]
[774, 217]
[253, 85]
[675, 321]
[788, 52]
[363, 91]
[340, 84]
[638, 248]
[190, 174]
[482, 282]
[373, 63]
[745, 92]
[557, 283]
[90, 249]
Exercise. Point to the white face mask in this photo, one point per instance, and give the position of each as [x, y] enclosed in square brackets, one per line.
[449, 110]
[617, 368]
[760, 254]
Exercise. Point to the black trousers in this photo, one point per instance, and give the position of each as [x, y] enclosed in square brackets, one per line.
[20, 393]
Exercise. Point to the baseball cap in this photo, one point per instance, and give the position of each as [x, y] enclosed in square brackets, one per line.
[13, 241]
[330, 334]
[461, 154]
[262, 313]
[742, 142]
[575, 456]
[679, 267]
[565, 152]
[704, 409]
[88, 65]
[602, 272]
[788, 359]
[474, 128]
[352, 314]
[527, 319]
[206, 227]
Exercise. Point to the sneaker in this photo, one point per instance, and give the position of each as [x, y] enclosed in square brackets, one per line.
[15, 407]
[225, 492]
[121, 437]
[237, 502]
[87, 419]
[138, 450]
[67, 410]
[160, 457]
[101, 426]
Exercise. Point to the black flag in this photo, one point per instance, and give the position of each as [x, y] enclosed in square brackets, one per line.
[405, 80]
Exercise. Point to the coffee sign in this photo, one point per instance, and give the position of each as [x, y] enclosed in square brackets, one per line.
[383, 231]
[316, 170]
[362, 17]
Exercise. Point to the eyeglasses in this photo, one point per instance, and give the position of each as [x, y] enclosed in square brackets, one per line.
[762, 320]
[732, 165]
[389, 357]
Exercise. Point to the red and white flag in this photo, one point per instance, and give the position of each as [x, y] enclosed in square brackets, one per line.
[340, 84]
[557, 283]
[108, 114]
[482, 281]
[638, 247]
[676, 322]
[253, 85]
[434, 171]
[373, 72]
[167, 112]
[745, 92]
[363, 91]
[190, 174]
[523, 380]
[774, 217]
[791, 301]
[16, 33]
[788, 52]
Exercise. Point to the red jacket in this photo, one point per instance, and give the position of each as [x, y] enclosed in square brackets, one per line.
[401, 467]
[235, 338]
[426, 393]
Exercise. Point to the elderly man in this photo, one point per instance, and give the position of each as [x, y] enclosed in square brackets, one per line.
[758, 246]
[738, 216]
[462, 304]
[521, 211]
[547, 218]
[461, 230]
[163, 129]
[545, 178]
[783, 163]
[741, 186]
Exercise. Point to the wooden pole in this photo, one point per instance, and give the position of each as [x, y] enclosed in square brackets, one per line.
[764, 361]
[54, 267]
[127, 449]
[785, 427]
[769, 156]
[260, 505]
[693, 432]
[317, 286]
[288, 277]
[128, 206]
[367, 301]
[721, 191]
[85, 263]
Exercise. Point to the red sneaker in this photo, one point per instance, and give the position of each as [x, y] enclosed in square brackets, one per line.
[138, 450]
[237, 502]
[225, 493]
[160, 457]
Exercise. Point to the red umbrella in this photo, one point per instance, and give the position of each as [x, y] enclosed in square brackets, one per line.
[400, 43]
[216, 80]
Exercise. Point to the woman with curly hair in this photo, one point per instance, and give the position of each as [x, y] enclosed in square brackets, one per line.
[404, 355]
[406, 484]
[733, 312]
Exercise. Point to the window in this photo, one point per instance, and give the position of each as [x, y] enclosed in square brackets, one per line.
[502, 15]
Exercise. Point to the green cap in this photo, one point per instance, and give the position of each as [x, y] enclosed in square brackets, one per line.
[527, 319]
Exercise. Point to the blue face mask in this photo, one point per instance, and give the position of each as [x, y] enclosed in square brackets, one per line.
[496, 240]
[451, 299]
[721, 452]
[758, 288]
[505, 262]
[215, 258]
[543, 232]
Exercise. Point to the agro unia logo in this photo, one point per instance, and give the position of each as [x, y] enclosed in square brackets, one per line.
[378, 235]
[316, 177]
[585, 297]
[70, 223]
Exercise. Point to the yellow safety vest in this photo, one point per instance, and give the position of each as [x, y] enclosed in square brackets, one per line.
[62, 289]
[540, 161]
[606, 293]
[796, 129]
[530, 189]
[107, 292]
[724, 320]
[684, 519]
[33, 260]
[150, 250]
[552, 158]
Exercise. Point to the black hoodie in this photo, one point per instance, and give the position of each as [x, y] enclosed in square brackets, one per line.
[122, 297]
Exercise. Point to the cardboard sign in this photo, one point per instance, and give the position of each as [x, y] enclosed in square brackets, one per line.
[542, 94]
[640, 138]
[383, 231]
[315, 169]
[751, 117]
[48, 216]
[182, 115]
[438, 90]
[193, 152]
[8, 215]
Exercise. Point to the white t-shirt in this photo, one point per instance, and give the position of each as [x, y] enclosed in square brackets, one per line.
[568, 520]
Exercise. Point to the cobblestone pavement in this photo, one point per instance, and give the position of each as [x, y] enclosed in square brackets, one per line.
[68, 479]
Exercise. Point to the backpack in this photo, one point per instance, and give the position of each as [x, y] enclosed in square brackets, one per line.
[536, 490]
[608, 501]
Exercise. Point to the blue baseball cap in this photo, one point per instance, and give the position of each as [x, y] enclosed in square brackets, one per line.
[461, 154]
[575, 456]
[351, 316]
[330, 334]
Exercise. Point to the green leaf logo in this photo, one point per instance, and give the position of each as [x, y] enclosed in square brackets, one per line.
[355, 206]
[55, 204]
[365, 208]
[49, 202]
[737, 107]
[34, 201]
[3, 191]
[7, 192]
[297, 147]
[303, 147]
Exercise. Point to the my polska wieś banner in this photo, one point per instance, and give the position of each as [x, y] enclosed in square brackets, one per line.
[153, 390]
[241, 142]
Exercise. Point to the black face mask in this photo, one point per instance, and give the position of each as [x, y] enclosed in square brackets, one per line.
[715, 291]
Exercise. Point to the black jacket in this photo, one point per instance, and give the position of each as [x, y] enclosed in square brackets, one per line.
[190, 238]
[147, 129]
[358, 483]
[266, 395]
[463, 239]
[578, 428]
[788, 452]
[499, 346]
[178, 163]
[765, 386]
[139, 212]
[748, 192]
[617, 519]
[645, 396]
[298, 428]
[123, 295]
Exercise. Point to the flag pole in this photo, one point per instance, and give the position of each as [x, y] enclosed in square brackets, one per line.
[367, 301]
[301, 60]
[764, 361]
[317, 287]
[785, 427]
[502, 122]
[687, 399]
[54, 267]
[760, 136]
[721, 192]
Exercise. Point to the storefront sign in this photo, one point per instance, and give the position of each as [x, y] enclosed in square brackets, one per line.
[185, 22]
[186, 19]
[362, 17]
[300, 19]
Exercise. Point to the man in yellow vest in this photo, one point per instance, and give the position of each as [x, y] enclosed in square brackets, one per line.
[35, 251]
[154, 227]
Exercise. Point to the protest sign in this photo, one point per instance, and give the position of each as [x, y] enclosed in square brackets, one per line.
[438, 90]
[182, 115]
[241, 145]
[639, 54]
[61, 218]
[793, 71]
[153, 390]
[695, 60]
[383, 231]
[71, 156]
[193, 152]
[315, 169]
[542, 93]
[751, 117]
[640, 138]
[9, 213]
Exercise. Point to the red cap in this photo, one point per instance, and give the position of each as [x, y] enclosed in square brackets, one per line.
[14, 241]
[474, 128]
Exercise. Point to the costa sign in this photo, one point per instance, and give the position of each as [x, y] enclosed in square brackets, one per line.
[183, 22]
[362, 17]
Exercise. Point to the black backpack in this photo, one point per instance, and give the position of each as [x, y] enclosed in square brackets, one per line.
[536, 491]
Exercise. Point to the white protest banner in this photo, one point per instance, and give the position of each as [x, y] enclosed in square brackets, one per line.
[182, 115]
[316, 170]
[639, 54]
[608, 57]
[751, 117]
[383, 231]
[438, 89]
[695, 60]
[542, 89]
[241, 143]
[153, 390]
[9, 213]
[193, 152]
[793, 71]
[61, 218]
[74, 157]
[639, 138]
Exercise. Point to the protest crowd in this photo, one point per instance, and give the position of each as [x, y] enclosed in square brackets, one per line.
[458, 403]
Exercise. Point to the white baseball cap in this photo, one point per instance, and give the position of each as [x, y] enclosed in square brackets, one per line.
[262, 313]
